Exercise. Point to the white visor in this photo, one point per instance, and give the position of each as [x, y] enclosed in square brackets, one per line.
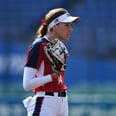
[65, 18]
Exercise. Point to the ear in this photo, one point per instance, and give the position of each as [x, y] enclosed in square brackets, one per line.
[55, 27]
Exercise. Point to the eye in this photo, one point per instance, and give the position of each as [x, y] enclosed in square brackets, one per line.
[68, 24]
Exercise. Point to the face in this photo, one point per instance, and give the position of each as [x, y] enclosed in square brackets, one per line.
[63, 30]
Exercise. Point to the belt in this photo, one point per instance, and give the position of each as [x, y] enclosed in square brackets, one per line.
[57, 94]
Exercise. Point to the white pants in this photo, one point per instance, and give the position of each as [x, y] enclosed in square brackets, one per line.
[44, 105]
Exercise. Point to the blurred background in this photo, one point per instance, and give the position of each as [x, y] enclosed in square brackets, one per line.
[91, 68]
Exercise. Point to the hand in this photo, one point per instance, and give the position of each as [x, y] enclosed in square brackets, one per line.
[55, 74]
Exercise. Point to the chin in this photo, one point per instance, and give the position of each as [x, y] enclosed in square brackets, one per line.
[67, 38]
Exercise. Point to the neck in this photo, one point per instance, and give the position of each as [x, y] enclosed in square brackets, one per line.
[51, 36]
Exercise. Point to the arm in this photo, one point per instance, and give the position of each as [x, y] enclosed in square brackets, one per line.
[29, 82]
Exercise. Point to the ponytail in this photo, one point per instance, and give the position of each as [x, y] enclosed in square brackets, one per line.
[42, 31]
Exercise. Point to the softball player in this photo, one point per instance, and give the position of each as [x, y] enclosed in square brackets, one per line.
[50, 91]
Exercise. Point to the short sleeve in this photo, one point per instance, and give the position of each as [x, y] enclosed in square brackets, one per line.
[32, 56]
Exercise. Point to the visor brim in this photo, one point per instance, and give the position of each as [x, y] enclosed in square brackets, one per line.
[71, 19]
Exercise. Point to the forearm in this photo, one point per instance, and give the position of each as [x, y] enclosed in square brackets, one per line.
[29, 80]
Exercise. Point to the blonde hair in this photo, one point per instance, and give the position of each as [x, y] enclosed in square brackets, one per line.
[49, 17]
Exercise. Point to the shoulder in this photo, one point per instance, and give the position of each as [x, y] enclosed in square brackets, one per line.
[37, 45]
[39, 41]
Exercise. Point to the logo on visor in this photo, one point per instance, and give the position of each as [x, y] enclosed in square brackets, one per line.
[68, 14]
[56, 21]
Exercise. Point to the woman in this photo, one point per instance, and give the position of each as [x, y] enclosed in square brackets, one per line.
[50, 97]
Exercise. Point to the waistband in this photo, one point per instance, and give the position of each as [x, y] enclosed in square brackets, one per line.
[62, 93]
